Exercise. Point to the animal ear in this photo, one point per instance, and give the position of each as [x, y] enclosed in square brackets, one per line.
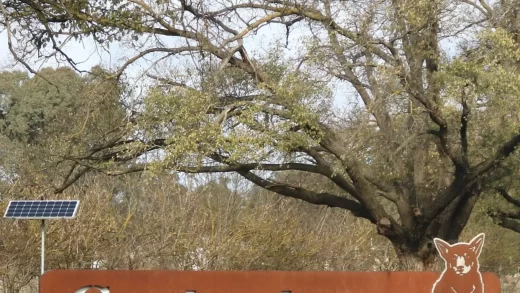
[442, 246]
[477, 243]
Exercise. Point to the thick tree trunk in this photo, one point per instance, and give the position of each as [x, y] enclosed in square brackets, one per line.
[413, 260]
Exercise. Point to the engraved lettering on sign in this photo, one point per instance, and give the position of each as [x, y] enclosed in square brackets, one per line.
[93, 289]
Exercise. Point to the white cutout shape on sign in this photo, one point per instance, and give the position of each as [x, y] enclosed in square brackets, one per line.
[86, 288]
[461, 273]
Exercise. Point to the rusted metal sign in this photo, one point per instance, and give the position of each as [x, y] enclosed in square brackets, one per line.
[245, 282]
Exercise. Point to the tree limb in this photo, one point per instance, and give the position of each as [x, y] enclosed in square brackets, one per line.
[326, 199]
[502, 191]
[484, 8]
[506, 220]
[445, 198]
[358, 208]
[500, 155]
[168, 81]
[222, 168]
[169, 51]
[71, 179]
[464, 133]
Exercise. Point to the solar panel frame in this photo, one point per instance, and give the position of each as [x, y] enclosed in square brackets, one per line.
[42, 209]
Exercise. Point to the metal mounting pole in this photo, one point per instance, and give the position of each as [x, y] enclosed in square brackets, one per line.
[42, 264]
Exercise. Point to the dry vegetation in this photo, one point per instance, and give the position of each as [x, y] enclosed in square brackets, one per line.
[150, 222]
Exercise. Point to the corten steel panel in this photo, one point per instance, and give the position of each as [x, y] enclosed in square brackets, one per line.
[245, 282]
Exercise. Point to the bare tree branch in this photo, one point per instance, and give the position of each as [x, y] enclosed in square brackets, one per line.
[464, 133]
[503, 192]
[507, 220]
[11, 49]
[169, 51]
[222, 168]
[169, 81]
[327, 199]
[483, 8]
[69, 180]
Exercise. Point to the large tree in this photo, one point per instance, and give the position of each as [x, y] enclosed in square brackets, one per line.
[430, 125]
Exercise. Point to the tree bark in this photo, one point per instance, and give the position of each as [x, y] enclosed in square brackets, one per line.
[411, 263]
[423, 258]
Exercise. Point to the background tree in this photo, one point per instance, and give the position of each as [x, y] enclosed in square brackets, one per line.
[427, 132]
[49, 116]
[44, 118]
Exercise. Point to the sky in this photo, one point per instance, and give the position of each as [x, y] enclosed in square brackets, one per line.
[85, 53]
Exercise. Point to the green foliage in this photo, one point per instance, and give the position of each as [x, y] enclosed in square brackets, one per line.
[199, 123]
[488, 81]
[44, 122]
[36, 110]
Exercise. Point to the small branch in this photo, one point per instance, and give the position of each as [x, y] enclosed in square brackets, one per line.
[435, 115]
[253, 26]
[196, 13]
[464, 132]
[233, 50]
[334, 177]
[170, 51]
[11, 49]
[484, 9]
[168, 81]
[71, 180]
[502, 191]
[409, 140]
[45, 22]
[512, 215]
[385, 190]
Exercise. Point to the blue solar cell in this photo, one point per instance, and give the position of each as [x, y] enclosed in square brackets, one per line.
[42, 209]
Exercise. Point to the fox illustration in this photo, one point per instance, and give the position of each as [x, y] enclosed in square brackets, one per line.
[461, 273]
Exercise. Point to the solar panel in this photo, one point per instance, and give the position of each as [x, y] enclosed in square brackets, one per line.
[42, 209]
